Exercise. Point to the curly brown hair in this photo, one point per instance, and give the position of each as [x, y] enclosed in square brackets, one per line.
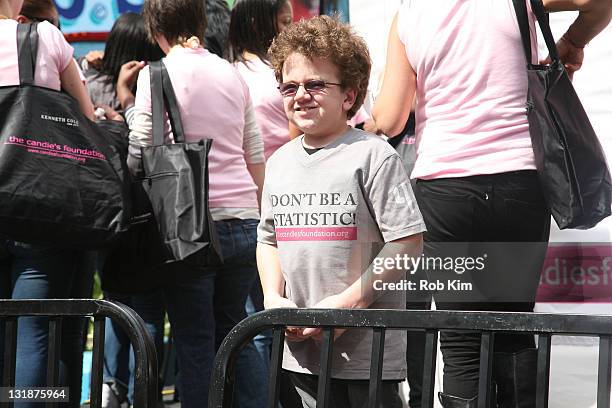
[177, 20]
[327, 38]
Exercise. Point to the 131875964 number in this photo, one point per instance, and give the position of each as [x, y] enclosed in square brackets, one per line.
[39, 394]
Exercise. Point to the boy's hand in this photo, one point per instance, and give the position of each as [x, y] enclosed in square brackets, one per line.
[330, 302]
[277, 302]
[316, 334]
[295, 334]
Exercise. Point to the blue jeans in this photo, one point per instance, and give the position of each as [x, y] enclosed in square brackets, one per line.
[118, 355]
[34, 272]
[204, 303]
[74, 329]
[263, 341]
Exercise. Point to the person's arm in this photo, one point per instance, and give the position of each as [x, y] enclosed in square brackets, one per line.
[269, 266]
[141, 134]
[268, 261]
[253, 150]
[593, 17]
[140, 123]
[257, 171]
[392, 106]
[72, 84]
[273, 286]
[125, 83]
[272, 281]
[129, 114]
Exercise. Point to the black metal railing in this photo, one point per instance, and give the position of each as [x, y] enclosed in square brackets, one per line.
[486, 323]
[145, 375]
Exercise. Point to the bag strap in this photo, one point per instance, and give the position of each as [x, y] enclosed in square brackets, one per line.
[162, 99]
[172, 106]
[542, 16]
[27, 49]
[157, 103]
[520, 9]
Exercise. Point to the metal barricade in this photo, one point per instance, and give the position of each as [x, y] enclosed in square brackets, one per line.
[486, 323]
[145, 375]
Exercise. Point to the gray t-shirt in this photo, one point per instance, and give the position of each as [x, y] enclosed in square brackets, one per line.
[329, 214]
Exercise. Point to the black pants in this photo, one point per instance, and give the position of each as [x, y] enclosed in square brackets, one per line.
[506, 215]
[343, 393]
[415, 353]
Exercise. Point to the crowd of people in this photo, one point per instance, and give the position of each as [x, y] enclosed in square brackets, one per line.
[303, 200]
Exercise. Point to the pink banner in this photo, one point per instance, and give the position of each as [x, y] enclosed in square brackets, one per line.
[317, 234]
[577, 273]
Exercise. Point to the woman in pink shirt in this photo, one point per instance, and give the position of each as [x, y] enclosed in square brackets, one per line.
[53, 69]
[204, 302]
[253, 26]
[476, 180]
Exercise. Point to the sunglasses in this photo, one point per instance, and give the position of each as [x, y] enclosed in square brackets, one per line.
[289, 89]
[41, 19]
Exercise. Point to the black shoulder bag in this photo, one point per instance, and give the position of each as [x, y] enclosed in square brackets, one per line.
[61, 182]
[176, 177]
[571, 164]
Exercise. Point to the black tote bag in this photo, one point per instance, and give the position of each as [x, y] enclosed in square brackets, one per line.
[571, 164]
[61, 182]
[176, 178]
[133, 264]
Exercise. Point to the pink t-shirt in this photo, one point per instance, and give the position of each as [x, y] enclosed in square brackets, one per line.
[212, 98]
[54, 55]
[267, 102]
[471, 86]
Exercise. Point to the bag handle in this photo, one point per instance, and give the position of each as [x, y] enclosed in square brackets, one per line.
[520, 8]
[27, 48]
[157, 103]
[163, 98]
[172, 106]
[543, 21]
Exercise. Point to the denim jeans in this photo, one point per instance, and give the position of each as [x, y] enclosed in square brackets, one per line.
[204, 303]
[498, 208]
[263, 341]
[118, 354]
[34, 272]
[74, 329]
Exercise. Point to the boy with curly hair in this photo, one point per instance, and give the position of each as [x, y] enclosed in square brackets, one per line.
[334, 199]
